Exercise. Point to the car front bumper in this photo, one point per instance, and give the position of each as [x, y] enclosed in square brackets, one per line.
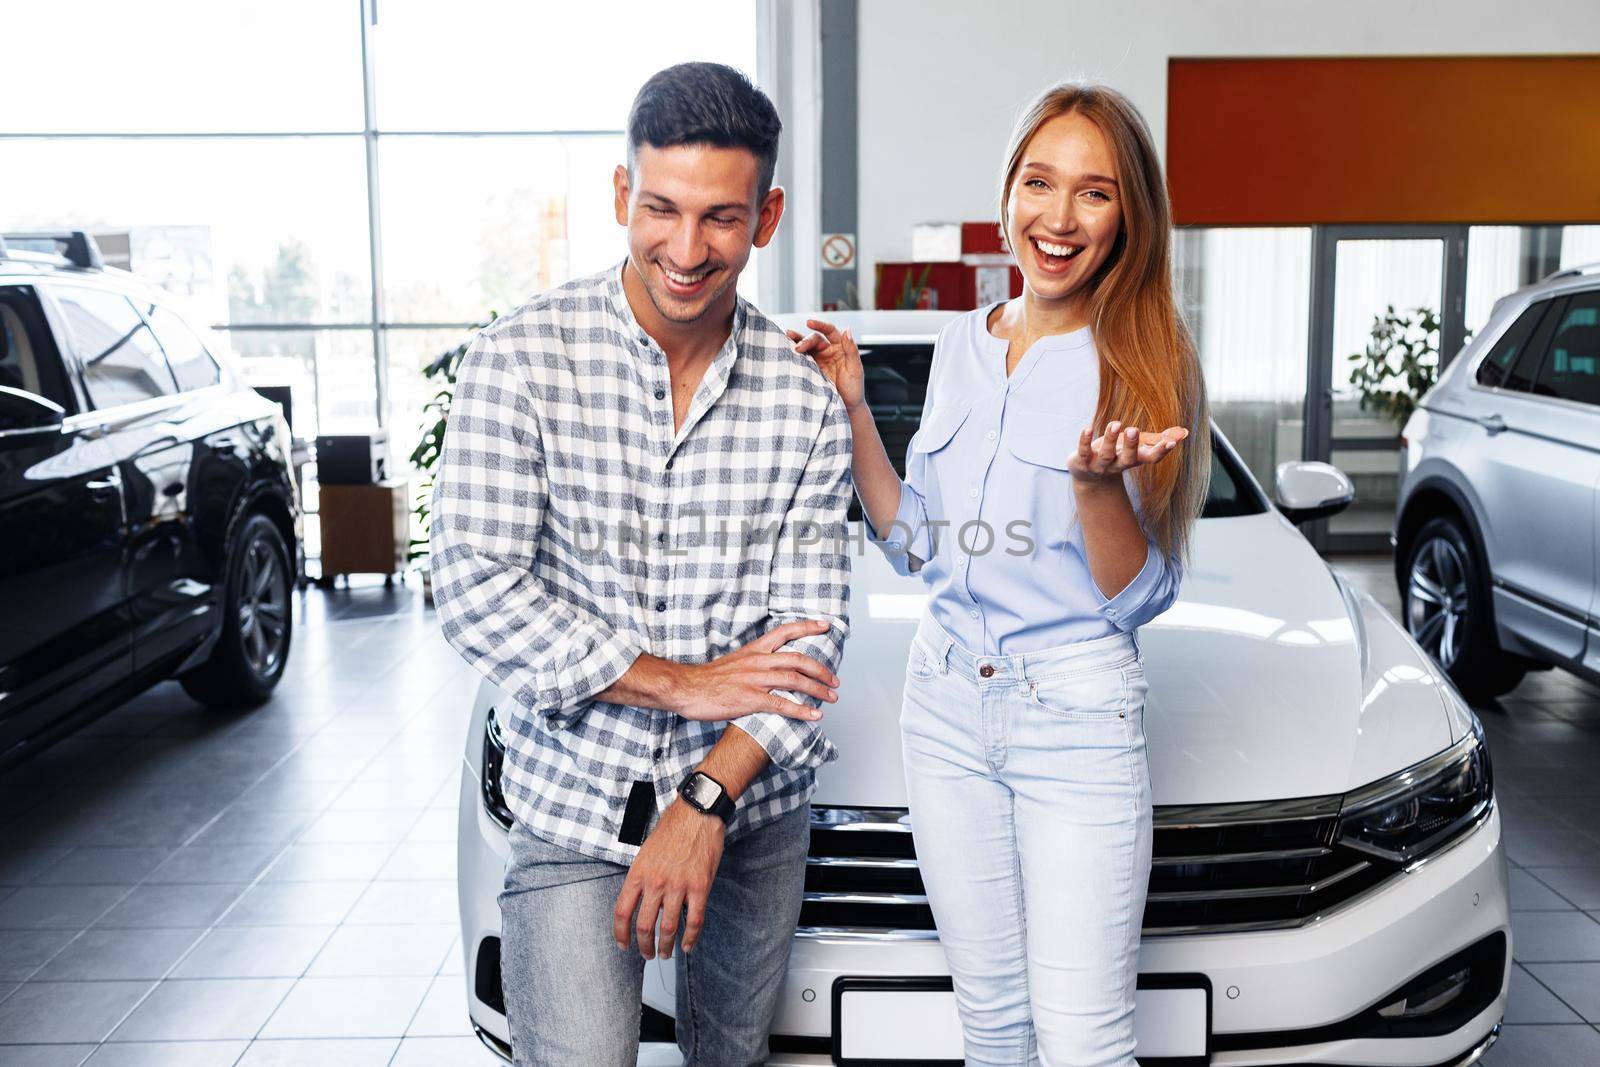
[1278, 996]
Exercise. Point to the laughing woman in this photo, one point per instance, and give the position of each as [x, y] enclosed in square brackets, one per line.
[1063, 451]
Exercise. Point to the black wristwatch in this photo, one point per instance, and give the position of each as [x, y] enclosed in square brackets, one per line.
[705, 793]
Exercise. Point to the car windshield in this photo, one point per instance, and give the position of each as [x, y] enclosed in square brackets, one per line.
[897, 380]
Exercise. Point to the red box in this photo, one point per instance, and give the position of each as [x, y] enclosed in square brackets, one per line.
[944, 286]
[981, 238]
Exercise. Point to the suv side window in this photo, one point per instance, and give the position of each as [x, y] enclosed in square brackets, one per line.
[122, 363]
[29, 358]
[1508, 364]
[1571, 368]
[191, 364]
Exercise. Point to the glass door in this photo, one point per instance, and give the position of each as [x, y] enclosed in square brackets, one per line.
[1371, 286]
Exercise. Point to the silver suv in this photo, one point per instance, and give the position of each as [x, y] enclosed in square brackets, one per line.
[1495, 532]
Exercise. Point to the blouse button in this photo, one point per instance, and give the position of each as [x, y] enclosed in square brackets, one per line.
[990, 435]
[973, 613]
[973, 494]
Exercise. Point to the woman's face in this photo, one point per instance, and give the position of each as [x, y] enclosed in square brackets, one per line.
[1065, 207]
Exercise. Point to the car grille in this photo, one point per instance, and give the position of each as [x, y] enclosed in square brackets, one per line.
[1216, 868]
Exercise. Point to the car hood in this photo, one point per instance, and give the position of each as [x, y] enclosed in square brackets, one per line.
[1269, 679]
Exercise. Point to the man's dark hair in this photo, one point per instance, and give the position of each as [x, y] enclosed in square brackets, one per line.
[706, 103]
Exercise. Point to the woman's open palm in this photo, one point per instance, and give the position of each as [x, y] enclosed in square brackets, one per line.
[1121, 448]
[836, 355]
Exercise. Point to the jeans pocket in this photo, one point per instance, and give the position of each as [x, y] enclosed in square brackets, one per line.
[920, 664]
[1095, 695]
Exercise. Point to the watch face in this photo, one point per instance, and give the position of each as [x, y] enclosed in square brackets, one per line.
[703, 791]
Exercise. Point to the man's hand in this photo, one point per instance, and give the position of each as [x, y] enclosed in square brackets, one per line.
[674, 870]
[742, 681]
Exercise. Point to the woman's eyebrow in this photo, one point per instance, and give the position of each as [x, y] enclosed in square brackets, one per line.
[1047, 168]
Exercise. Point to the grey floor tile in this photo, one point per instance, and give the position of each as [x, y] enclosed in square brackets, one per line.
[347, 1007]
[204, 1009]
[22, 952]
[1544, 1046]
[455, 960]
[387, 903]
[350, 826]
[101, 953]
[103, 865]
[169, 1054]
[67, 1011]
[57, 907]
[254, 952]
[153, 905]
[1528, 893]
[351, 862]
[414, 861]
[1530, 1002]
[1580, 885]
[444, 1011]
[196, 864]
[294, 903]
[246, 826]
[354, 951]
[1554, 937]
[444, 1052]
[44, 1055]
[1576, 983]
[282, 793]
[434, 826]
[1554, 848]
[330, 1052]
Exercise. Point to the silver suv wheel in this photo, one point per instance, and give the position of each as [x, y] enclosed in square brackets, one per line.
[1436, 604]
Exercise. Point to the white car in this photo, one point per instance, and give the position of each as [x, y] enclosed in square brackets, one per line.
[1329, 884]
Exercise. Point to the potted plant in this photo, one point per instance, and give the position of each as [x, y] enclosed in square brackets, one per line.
[441, 373]
[1400, 363]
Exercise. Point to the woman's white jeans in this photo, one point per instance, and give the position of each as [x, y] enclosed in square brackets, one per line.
[1030, 803]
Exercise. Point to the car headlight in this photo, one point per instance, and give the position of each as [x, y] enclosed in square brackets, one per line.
[1409, 815]
[494, 758]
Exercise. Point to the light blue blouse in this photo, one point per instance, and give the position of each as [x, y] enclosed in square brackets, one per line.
[986, 510]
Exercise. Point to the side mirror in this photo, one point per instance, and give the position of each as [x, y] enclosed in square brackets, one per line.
[22, 412]
[1309, 490]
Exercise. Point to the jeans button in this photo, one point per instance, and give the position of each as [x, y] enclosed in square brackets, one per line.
[986, 671]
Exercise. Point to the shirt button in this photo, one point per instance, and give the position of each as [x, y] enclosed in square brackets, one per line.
[894, 544]
[973, 493]
[973, 613]
[1111, 611]
[661, 538]
[661, 605]
[658, 754]
[661, 394]
[986, 671]
[990, 435]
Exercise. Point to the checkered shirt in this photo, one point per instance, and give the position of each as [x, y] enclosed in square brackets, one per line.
[574, 530]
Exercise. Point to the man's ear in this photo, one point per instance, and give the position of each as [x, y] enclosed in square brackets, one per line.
[620, 183]
[767, 219]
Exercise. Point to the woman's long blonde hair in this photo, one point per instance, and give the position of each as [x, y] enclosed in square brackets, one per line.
[1149, 369]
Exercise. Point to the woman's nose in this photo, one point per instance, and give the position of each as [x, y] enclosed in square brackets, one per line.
[1061, 217]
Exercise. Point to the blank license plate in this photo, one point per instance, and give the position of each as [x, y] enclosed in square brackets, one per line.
[914, 1019]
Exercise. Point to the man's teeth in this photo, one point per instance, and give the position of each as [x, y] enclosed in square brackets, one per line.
[1056, 250]
[684, 279]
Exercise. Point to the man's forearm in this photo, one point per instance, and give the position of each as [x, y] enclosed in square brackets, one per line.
[734, 761]
[652, 682]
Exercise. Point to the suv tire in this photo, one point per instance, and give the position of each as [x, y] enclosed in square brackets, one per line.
[1445, 602]
[257, 621]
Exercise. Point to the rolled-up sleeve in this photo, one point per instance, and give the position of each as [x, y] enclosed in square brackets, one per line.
[1151, 592]
[811, 580]
[909, 541]
[489, 498]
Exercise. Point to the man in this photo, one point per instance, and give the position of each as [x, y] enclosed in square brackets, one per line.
[639, 533]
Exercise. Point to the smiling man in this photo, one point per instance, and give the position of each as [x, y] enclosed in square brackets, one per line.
[639, 534]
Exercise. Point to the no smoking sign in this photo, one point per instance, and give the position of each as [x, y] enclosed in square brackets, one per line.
[839, 251]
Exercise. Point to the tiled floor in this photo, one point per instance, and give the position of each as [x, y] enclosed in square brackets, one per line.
[185, 889]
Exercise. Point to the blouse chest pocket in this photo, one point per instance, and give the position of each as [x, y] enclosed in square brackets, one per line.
[938, 429]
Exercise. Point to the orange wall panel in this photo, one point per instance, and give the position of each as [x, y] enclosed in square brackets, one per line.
[1488, 139]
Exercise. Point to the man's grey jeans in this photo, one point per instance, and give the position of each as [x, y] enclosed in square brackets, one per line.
[573, 997]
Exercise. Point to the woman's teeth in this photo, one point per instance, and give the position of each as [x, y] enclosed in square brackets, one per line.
[1064, 251]
[685, 279]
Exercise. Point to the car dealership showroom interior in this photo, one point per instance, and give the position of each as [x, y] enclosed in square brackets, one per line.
[799, 532]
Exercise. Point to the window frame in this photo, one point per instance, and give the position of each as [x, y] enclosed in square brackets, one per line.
[1548, 337]
[53, 288]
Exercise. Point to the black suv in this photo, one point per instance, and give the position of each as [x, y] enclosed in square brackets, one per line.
[149, 522]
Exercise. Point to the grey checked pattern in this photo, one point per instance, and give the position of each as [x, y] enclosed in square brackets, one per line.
[574, 530]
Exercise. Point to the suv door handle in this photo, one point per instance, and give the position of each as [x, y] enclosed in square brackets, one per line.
[102, 486]
[1493, 423]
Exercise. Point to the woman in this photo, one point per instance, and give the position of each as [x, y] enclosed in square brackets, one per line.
[1049, 497]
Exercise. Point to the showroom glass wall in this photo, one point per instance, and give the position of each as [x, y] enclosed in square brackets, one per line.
[341, 196]
[1247, 293]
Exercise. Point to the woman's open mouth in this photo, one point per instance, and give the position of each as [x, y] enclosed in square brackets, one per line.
[1052, 257]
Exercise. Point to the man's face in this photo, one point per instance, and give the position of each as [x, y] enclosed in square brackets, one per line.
[692, 218]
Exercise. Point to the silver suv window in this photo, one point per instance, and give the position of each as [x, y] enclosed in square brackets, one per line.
[1571, 367]
[1511, 362]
